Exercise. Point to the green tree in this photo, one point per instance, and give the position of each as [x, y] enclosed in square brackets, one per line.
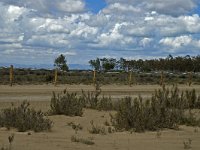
[122, 64]
[61, 63]
[95, 64]
[108, 64]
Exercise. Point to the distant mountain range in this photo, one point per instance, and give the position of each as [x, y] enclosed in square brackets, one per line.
[47, 66]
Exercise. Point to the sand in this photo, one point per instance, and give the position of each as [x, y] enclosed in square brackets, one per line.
[60, 136]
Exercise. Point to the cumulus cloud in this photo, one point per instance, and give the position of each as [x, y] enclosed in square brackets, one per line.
[172, 7]
[124, 28]
[48, 7]
[176, 43]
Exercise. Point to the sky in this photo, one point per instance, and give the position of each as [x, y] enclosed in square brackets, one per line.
[37, 31]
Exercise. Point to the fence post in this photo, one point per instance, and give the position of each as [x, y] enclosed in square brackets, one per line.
[162, 78]
[130, 78]
[55, 76]
[94, 77]
[11, 75]
[190, 79]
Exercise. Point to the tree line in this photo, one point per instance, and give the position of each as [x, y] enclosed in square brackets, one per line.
[174, 64]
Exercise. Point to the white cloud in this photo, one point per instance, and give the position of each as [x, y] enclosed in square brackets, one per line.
[84, 31]
[48, 7]
[145, 42]
[177, 42]
[118, 7]
[182, 43]
[52, 40]
[123, 28]
[71, 6]
[172, 7]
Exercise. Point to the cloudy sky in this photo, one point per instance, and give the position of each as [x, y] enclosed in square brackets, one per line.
[37, 31]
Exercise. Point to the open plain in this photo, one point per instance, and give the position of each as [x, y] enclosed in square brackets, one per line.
[59, 138]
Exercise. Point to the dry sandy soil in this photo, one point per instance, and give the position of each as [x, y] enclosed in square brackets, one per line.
[60, 136]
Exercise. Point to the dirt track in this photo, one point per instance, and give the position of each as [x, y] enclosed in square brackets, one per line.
[43, 92]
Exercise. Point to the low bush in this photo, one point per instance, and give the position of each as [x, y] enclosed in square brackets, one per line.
[23, 118]
[91, 99]
[166, 109]
[105, 103]
[66, 104]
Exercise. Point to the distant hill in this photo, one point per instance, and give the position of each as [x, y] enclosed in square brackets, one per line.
[79, 66]
[46, 66]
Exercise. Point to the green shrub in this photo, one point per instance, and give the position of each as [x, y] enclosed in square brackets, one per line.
[23, 118]
[166, 109]
[66, 104]
[105, 103]
[91, 99]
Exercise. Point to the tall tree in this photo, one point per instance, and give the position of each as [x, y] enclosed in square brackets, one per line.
[95, 64]
[61, 63]
[108, 64]
[122, 64]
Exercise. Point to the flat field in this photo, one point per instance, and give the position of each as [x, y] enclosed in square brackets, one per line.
[60, 137]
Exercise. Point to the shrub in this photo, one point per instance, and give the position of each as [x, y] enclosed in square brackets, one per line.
[192, 98]
[66, 104]
[23, 118]
[105, 103]
[164, 110]
[91, 99]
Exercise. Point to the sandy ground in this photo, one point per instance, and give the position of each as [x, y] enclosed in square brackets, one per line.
[44, 92]
[60, 136]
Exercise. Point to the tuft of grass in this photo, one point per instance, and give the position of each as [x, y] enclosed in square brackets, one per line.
[97, 129]
[111, 130]
[196, 130]
[106, 123]
[158, 134]
[187, 144]
[10, 140]
[81, 140]
[76, 127]
[4, 148]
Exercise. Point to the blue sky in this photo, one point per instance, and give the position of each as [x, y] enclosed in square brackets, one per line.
[95, 5]
[37, 31]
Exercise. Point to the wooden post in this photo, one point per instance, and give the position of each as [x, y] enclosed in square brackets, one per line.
[94, 77]
[55, 77]
[190, 79]
[11, 75]
[162, 78]
[130, 78]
